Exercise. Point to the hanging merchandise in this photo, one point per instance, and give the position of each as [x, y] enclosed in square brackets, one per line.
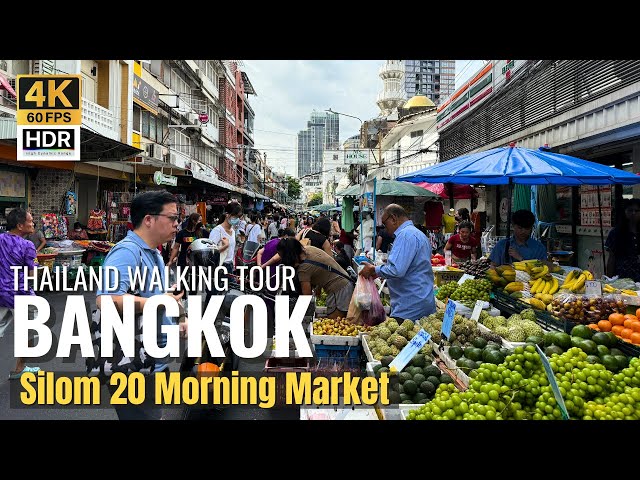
[96, 220]
[70, 203]
[54, 226]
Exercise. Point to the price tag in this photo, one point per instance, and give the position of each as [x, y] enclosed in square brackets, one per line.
[465, 277]
[409, 351]
[554, 385]
[593, 287]
[447, 321]
[475, 315]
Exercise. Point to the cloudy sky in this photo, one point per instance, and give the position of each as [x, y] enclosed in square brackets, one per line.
[289, 90]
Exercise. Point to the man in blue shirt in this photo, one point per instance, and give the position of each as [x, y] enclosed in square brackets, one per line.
[154, 216]
[408, 269]
[520, 246]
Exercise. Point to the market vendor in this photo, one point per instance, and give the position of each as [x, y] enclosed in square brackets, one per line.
[408, 269]
[520, 246]
[37, 238]
[463, 246]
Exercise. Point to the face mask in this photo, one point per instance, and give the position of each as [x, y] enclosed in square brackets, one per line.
[234, 221]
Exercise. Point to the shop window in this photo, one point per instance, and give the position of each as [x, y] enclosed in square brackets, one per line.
[152, 128]
[136, 118]
[145, 123]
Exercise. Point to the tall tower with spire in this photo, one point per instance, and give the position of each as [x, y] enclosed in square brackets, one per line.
[393, 91]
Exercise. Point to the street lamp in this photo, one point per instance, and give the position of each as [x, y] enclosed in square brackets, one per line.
[360, 174]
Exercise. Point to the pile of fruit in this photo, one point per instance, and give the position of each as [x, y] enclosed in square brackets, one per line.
[480, 351]
[517, 328]
[574, 281]
[600, 347]
[388, 338]
[621, 285]
[519, 389]
[321, 300]
[476, 268]
[416, 383]
[463, 330]
[467, 293]
[338, 326]
[585, 309]
[625, 327]
[437, 260]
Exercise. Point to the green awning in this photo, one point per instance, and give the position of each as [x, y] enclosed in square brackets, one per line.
[392, 188]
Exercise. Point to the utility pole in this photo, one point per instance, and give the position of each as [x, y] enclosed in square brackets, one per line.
[264, 182]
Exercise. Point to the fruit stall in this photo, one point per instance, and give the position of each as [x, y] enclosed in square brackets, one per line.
[526, 341]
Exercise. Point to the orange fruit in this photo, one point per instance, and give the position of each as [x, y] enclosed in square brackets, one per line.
[617, 329]
[208, 369]
[635, 326]
[628, 322]
[626, 333]
[631, 316]
[616, 319]
[635, 337]
[593, 326]
[604, 325]
[638, 313]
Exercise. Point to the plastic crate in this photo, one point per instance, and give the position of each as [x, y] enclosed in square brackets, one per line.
[337, 351]
[279, 367]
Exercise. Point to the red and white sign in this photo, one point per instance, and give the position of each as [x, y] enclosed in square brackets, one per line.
[204, 118]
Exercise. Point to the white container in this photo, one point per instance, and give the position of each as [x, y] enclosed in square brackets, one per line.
[332, 339]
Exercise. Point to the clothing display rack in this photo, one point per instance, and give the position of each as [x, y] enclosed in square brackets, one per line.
[118, 208]
[436, 239]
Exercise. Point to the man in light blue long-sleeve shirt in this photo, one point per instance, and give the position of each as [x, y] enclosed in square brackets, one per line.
[408, 269]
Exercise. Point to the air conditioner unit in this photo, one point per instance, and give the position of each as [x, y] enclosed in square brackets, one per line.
[154, 151]
[193, 118]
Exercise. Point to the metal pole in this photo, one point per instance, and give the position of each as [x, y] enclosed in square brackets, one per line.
[375, 221]
[604, 264]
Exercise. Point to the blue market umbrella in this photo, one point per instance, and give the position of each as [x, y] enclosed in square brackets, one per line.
[509, 165]
[504, 165]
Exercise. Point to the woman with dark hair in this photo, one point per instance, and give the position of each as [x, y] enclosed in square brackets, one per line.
[316, 269]
[462, 245]
[623, 245]
[462, 216]
[184, 238]
[318, 235]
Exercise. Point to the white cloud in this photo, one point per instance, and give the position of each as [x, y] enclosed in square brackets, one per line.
[289, 90]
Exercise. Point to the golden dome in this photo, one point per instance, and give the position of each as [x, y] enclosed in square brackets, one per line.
[418, 101]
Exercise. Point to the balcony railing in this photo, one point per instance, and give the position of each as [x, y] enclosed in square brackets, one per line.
[99, 119]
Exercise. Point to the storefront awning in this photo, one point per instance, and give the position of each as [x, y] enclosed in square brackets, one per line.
[4, 84]
[98, 148]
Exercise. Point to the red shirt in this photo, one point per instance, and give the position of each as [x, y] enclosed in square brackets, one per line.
[460, 249]
[433, 212]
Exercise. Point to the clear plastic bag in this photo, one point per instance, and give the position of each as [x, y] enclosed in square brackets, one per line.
[365, 294]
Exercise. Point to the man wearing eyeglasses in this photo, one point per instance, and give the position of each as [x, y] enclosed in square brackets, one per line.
[154, 216]
[408, 268]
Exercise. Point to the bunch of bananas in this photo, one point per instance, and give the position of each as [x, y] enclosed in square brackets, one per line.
[575, 280]
[606, 288]
[547, 284]
[501, 276]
